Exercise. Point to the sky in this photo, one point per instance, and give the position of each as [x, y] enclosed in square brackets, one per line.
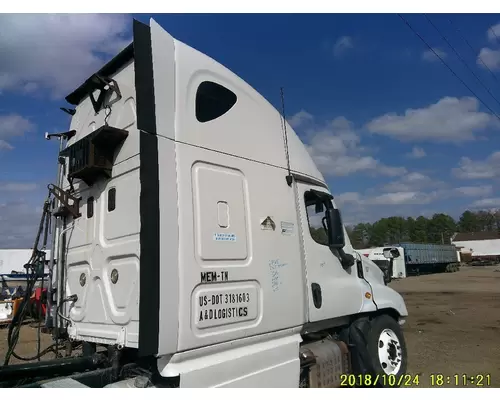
[393, 129]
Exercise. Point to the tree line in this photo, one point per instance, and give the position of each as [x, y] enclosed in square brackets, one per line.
[439, 229]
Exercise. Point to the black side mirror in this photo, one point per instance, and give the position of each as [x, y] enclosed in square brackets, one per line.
[391, 253]
[336, 239]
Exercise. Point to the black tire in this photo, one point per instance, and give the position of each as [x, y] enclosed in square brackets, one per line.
[379, 325]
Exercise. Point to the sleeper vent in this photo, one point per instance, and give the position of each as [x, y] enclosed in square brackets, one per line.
[92, 156]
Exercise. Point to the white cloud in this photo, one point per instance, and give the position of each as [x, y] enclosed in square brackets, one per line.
[348, 197]
[494, 33]
[413, 181]
[409, 189]
[487, 203]
[13, 125]
[57, 52]
[490, 58]
[342, 44]
[401, 202]
[485, 169]
[475, 191]
[17, 187]
[5, 146]
[368, 207]
[336, 151]
[449, 120]
[18, 225]
[417, 152]
[299, 118]
[387, 199]
[412, 189]
[397, 198]
[429, 55]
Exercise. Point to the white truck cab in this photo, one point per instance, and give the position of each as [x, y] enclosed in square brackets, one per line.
[200, 237]
[376, 254]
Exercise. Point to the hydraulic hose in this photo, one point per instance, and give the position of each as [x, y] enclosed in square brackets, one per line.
[35, 269]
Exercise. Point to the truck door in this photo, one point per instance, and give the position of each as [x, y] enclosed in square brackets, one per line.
[332, 290]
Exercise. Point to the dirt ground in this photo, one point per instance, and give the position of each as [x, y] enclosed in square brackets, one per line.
[453, 326]
[27, 344]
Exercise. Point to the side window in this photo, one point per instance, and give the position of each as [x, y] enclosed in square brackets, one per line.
[111, 199]
[316, 208]
[90, 207]
[213, 101]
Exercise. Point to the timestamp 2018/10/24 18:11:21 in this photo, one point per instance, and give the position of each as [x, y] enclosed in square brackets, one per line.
[418, 380]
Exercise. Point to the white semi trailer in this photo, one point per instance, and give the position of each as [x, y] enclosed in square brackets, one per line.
[12, 269]
[12, 261]
[188, 244]
[376, 254]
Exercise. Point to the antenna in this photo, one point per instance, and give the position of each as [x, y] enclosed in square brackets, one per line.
[289, 177]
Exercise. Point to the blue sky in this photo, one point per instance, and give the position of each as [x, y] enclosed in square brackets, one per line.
[394, 132]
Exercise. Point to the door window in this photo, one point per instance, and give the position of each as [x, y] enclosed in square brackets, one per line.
[316, 206]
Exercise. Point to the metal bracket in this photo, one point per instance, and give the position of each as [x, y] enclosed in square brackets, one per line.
[70, 111]
[105, 85]
[64, 197]
[61, 135]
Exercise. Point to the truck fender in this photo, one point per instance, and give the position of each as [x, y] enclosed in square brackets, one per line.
[386, 298]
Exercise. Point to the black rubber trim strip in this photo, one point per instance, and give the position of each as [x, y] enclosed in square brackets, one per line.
[113, 66]
[149, 287]
[309, 180]
[321, 195]
[144, 81]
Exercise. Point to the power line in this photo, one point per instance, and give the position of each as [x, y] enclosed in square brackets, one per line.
[447, 66]
[474, 50]
[461, 59]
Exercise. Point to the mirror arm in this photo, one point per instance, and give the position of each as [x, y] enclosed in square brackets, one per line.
[347, 260]
[323, 222]
[388, 272]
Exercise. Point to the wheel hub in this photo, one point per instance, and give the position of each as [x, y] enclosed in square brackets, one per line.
[389, 352]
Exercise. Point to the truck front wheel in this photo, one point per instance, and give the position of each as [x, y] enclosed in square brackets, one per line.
[387, 351]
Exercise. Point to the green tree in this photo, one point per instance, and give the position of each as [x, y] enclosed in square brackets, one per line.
[438, 229]
[410, 228]
[319, 235]
[360, 235]
[441, 228]
[496, 216]
[379, 233]
[420, 230]
[468, 222]
[396, 230]
[349, 229]
[486, 221]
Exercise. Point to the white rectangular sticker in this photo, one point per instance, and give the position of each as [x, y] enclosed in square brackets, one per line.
[225, 306]
[225, 237]
[287, 228]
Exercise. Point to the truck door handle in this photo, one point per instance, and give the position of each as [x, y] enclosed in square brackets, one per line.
[361, 273]
[316, 295]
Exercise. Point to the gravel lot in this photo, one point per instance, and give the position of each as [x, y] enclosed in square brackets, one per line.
[453, 327]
